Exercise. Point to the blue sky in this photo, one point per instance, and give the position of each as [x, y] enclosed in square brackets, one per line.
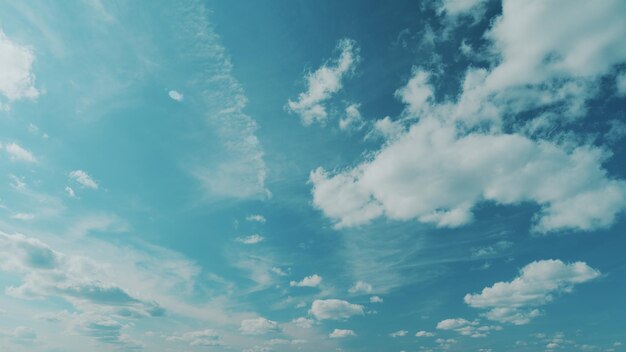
[312, 176]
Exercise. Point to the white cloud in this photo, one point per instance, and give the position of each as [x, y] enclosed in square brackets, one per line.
[70, 192]
[202, 338]
[537, 284]
[303, 323]
[341, 333]
[352, 118]
[386, 128]
[17, 80]
[376, 299]
[399, 333]
[252, 239]
[84, 179]
[16, 152]
[417, 94]
[309, 281]
[175, 95]
[399, 181]
[360, 287]
[258, 326]
[323, 83]
[334, 309]
[423, 333]
[474, 148]
[256, 218]
[467, 328]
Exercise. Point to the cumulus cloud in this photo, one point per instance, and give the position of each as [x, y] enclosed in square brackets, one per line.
[309, 281]
[399, 333]
[423, 333]
[352, 118]
[17, 80]
[18, 153]
[360, 287]
[303, 322]
[376, 299]
[324, 83]
[341, 333]
[467, 328]
[252, 239]
[84, 179]
[256, 218]
[573, 189]
[334, 309]
[455, 9]
[202, 338]
[258, 326]
[476, 147]
[538, 284]
[175, 95]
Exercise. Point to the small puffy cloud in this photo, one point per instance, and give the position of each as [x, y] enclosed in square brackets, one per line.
[334, 309]
[70, 192]
[423, 333]
[258, 326]
[537, 284]
[84, 179]
[175, 95]
[201, 338]
[252, 239]
[387, 129]
[467, 328]
[360, 287]
[17, 80]
[324, 83]
[17, 153]
[303, 323]
[399, 333]
[309, 281]
[256, 218]
[417, 94]
[376, 299]
[352, 119]
[341, 333]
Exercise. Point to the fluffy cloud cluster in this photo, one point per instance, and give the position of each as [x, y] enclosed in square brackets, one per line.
[537, 284]
[309, 281]
[475, 148]
[18, 153]
[334, 309]
[341, 333]
[17, 80]
[466, 328]
[323, 83]
[433, 175]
